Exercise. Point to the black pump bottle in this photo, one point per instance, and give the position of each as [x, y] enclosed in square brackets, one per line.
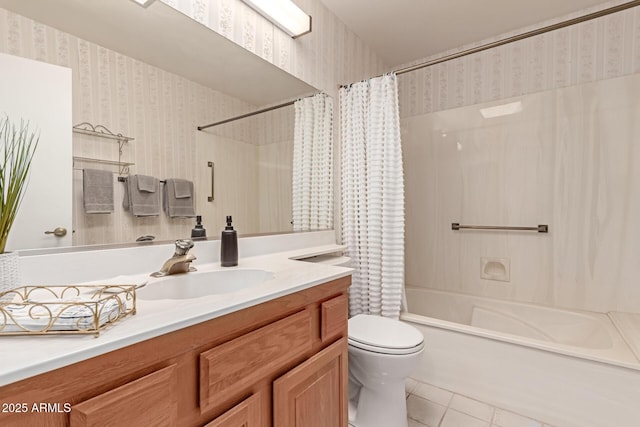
[229, 246]
[198, 232]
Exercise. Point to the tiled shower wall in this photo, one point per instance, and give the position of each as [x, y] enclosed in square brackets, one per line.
[161, 110]
[569, 160]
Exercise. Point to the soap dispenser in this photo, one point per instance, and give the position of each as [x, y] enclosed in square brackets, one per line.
[229, 245]
[198, 232]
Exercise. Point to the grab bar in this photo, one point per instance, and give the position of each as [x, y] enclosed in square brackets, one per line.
[211, 197]
[542, 228]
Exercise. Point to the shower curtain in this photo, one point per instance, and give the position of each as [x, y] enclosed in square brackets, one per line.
[373, 195]
[312, 184]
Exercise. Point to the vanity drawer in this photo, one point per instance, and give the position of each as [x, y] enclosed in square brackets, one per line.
[245, 414]
[230, 369]
[150, 400]
[333, 317]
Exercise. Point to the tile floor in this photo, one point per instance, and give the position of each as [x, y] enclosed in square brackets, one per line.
[429, 406]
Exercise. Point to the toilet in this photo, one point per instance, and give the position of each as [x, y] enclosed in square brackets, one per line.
[382, 354]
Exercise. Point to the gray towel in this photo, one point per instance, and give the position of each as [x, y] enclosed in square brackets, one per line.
[183, 188]
[142, 200]
[97, 191]
[147, 183]
[178, 198]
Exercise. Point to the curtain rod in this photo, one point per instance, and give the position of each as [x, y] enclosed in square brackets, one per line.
[253, 113]
[559, 25]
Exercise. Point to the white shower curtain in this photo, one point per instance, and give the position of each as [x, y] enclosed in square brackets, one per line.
[312, 184]
[373, 195]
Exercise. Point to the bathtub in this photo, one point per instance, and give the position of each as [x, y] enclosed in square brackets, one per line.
[567, 368]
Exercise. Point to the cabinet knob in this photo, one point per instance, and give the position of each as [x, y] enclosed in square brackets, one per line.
[58, 232]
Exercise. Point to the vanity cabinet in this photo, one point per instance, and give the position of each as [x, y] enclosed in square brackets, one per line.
[282, 363]
[314, 387]
[245, 414]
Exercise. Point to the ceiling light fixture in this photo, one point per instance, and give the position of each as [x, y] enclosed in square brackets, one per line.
[284, 14]
[144, 3]
[501, 110]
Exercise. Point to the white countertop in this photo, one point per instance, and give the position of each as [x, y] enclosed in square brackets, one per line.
[25, 356]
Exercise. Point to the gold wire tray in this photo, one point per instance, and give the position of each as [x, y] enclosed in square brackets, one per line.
[64, 310]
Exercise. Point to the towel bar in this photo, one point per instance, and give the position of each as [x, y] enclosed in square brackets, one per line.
[124, 179]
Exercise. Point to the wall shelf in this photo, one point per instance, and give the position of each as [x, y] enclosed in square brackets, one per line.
[86, 128]
[100, 131]
[105, 162]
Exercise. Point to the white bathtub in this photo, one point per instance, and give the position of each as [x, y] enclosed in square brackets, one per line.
[567, 368]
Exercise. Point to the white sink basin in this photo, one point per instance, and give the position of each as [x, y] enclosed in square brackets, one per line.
[201, 284]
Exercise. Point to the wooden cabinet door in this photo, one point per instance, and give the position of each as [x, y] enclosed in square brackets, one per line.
[334, 318]
[314, 394]
[244, 414]
[149, 401]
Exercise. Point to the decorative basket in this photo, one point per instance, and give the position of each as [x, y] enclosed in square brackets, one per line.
[75, 309]
[9, 273]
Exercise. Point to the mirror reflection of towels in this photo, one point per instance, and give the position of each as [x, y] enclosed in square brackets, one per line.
[178, 200]
[142, 195]
[147, 184]
[97, 191]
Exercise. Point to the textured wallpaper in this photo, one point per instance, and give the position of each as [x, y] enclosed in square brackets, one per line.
[330, 55]
[602, 48]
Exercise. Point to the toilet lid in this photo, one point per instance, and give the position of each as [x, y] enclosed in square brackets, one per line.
[383, 335]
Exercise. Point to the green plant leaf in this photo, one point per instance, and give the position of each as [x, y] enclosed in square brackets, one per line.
[18, 145]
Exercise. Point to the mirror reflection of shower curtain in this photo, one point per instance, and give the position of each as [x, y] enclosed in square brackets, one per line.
[372, 191]
[312, 184]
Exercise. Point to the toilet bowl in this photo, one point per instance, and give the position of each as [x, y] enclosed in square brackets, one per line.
[382, 354]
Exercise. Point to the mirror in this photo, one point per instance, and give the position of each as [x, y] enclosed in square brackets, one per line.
[135, 78]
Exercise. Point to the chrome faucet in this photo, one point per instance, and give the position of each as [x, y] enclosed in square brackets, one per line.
[180, 262]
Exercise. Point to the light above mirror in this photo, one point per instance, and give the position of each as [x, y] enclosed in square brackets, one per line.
[284, 14]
